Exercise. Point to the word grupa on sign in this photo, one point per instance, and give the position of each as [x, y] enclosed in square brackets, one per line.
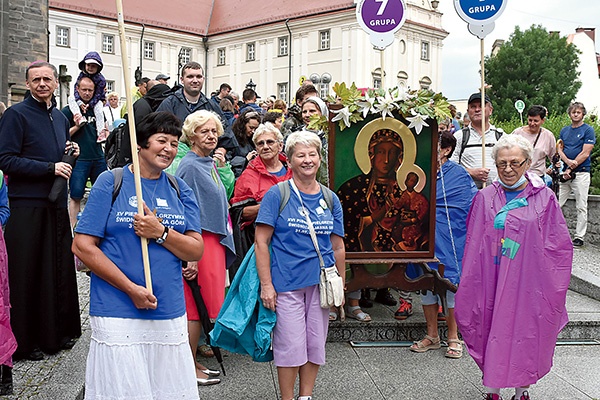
[482, 9]
[382, 22]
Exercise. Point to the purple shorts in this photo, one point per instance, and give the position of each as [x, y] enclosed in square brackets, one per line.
[301, 329]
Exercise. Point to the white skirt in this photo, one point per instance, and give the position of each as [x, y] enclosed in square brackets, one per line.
[138, 359]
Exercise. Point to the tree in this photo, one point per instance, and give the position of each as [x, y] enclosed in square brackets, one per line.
[534, 66]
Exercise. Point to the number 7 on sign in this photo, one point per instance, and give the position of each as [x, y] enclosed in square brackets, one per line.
[382, 7]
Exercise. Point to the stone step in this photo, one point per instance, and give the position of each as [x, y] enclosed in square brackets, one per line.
[584, 316]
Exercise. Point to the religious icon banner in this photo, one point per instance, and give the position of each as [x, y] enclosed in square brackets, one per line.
[384, 174]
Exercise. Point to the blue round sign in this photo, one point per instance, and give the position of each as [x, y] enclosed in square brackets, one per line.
[479, 12]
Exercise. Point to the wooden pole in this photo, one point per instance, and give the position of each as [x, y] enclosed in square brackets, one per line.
[132, 140]
[381, 60]
[483, 125]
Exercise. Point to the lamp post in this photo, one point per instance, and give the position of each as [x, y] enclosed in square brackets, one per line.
[321, 80]
[179, 63]
[250, 85]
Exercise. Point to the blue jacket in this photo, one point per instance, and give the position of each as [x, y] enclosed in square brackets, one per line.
[178, 105]
[244, 325]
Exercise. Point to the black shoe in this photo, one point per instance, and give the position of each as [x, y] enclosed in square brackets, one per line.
[385, 297]
[68, 344]
[6, 381]
[35, 355]
[365, 299]
[577, 242]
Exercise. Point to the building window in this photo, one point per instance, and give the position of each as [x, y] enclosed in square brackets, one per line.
[185, 55]
[376, 74]
[324, 39]
[110, 86]
[108, 43]
[425, 51]
[250, 51]
[283, 46]
[149, 50]
[425, 82]
[282, 90]
[402, 79]
[62, 36]
[221, 56]
[324, 90]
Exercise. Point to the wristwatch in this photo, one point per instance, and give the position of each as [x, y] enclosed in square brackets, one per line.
[163, 237]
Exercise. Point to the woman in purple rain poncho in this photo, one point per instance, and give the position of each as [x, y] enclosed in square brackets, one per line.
[510, 305]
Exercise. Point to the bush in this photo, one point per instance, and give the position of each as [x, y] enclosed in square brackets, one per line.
[555, 123]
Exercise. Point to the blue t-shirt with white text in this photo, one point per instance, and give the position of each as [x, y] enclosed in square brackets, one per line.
[294, 260]
[114, 226]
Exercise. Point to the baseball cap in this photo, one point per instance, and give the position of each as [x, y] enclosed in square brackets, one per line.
[163, 76]
[92, 61]
[477, 96]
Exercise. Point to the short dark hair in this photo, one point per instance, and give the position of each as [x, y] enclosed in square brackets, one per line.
[40, 64]
[577, 104]
[304, 89]
[447, 140]
[142, 80]
[248, 94]
[537, 110]
[224, 86]
[191, 65]
[157, 122]
[272, 116]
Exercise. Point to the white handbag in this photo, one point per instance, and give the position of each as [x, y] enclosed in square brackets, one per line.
[331, 284]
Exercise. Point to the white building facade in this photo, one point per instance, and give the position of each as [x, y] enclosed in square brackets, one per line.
[330, 47]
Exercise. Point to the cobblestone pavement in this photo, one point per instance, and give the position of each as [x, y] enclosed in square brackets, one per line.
[31, 378]
[61, 376]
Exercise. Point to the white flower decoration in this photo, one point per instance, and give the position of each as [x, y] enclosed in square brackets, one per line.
[385, 105]
[342, 114]
[365, 106]
[417, 122]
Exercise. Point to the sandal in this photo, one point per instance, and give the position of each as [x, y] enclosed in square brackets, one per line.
[419, 347]
[205, 351]
[333, 316]
[454, 352]
[356, 313]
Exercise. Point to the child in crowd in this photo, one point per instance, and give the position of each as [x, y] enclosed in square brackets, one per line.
[90, 67]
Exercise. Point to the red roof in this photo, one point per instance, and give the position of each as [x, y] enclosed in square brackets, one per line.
[178, 15]
[205, 16]
[230, 15]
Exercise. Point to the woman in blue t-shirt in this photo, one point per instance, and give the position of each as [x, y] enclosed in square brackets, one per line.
[290, 276]
[139, 345]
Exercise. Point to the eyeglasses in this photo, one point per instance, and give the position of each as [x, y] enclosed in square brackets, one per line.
[269, 142]
[512, 164]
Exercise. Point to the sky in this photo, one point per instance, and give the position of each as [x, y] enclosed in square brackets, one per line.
[461, 52]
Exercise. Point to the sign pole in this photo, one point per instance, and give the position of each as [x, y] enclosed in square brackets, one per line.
[483, 104]
[381, 60]
[132, 140]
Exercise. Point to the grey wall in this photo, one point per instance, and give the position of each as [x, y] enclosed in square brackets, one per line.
[23, 39]
[593, 231]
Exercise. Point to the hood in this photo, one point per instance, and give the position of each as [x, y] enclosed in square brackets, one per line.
[157, 94]
[92, 55]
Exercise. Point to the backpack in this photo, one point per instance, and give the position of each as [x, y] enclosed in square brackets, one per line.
[284, 191]
[118, 182]
[116, 147]
[465, 139]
